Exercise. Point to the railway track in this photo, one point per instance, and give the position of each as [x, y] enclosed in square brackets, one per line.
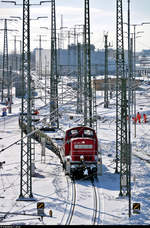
[72, 205]
[141, 158]
[95, 204]
[87, 213]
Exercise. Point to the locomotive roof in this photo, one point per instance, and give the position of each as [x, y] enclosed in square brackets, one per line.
[79, 127]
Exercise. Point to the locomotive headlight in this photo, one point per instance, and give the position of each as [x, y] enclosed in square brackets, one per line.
[81, 157]
[95, 158]
[68, 159]
[99, 160]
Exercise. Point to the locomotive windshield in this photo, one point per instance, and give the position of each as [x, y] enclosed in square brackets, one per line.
[88, 133]
[73, 133]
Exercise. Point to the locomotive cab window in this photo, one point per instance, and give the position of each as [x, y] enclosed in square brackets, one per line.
[73, 133]
[88, 133]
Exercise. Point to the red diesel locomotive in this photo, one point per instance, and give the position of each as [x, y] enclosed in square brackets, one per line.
[80, 152]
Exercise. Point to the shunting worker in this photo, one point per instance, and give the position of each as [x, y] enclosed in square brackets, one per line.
[134, 119]
[36, 111]
[145, 118]
[139, 117]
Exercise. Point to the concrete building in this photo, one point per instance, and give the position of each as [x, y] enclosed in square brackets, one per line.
[67, 61]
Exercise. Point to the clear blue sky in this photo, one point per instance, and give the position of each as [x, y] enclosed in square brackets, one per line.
[102, 17]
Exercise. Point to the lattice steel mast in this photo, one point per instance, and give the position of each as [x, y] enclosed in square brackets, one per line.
[94, 105]
[15, 55]
[121, 107]
[26, 176]
[69, 54]
[127, 166]
[79, 82]
[5, 74]
[87, 68]
[119, 75]
[5, 60]
[106, 73]
[40, 58]
[53, 76]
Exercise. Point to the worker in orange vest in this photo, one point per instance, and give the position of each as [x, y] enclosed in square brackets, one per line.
[134, 119]
[145, 118]
[36, 112]
[139, 117]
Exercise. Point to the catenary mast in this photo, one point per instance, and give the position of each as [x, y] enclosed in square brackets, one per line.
[26, 176]
[122, 143]
[87, 68]
[53, 76]
[106, 73]
[5, 60]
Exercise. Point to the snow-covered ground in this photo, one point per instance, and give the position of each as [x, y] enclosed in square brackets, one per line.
[51, 186]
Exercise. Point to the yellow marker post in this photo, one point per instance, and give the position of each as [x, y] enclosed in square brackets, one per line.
[50, 213]
[136, 208]
[40, 208]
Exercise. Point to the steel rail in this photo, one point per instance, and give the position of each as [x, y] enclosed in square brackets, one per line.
[73, 204]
